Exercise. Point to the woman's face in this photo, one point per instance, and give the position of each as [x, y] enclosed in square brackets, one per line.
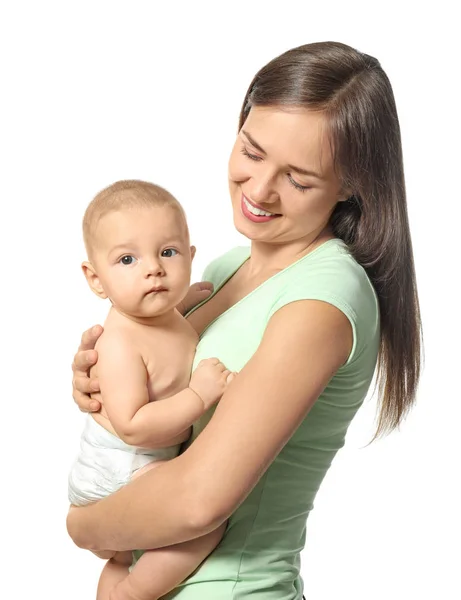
[281, 179]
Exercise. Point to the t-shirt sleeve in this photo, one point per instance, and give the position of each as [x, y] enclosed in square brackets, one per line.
[351, 293]
[209, 274]
[219, 269]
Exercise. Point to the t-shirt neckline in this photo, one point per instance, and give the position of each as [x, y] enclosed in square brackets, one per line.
[260, 286]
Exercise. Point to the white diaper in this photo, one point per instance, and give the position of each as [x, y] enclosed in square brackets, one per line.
[106, 462]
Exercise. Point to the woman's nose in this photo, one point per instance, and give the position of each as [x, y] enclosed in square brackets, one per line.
[263, 189]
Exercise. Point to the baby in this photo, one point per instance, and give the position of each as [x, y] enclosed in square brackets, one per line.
[140, 258]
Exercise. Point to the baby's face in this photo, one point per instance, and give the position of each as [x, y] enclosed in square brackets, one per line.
[143, 259]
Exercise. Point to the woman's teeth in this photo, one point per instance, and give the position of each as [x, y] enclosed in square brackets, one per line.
[256, 211]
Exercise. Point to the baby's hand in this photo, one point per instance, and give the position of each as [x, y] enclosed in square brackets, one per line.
[209, 380]
[197, 293]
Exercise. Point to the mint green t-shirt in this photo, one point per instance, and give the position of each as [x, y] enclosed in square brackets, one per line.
[259, 556]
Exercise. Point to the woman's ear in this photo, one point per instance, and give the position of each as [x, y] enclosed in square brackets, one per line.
[193, 250]
[344, 195]
[93, 279]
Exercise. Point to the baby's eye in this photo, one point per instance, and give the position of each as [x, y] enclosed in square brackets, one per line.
[169, 252]
[127, 260]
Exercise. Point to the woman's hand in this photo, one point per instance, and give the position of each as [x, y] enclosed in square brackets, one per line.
[86, 357]
[197, 293]
[72, 515]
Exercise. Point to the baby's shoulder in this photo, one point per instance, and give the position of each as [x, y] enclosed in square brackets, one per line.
[116, 339]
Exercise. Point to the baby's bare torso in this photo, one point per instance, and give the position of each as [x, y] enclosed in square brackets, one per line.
[167, 351]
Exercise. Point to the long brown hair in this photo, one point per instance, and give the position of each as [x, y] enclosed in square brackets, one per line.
[355, 95]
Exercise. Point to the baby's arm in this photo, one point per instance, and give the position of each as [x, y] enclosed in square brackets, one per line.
[161, 570]
[123, 381]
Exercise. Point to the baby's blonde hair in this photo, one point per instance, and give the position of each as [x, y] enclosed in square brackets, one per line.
[122, 195]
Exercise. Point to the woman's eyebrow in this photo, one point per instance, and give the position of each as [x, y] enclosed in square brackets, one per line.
[299, 170]
[307, 172]
[253, 142]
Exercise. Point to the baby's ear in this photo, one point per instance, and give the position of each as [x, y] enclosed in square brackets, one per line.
[193, 250]
[93, 280]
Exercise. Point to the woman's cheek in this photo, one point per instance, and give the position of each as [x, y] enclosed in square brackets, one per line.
[239, 170]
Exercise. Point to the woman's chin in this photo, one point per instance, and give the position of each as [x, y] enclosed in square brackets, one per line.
[248, 229]
[243, 228]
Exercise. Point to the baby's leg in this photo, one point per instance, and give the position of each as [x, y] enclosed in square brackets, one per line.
[161, 570]
[115, 570]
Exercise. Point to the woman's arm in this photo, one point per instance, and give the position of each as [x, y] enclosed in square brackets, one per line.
[304, 344]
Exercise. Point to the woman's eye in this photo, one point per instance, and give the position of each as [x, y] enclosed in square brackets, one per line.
[245, 152]
[298, 186]
[169, 252]
[127, 260]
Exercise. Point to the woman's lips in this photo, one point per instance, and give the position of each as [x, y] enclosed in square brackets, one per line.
[252, 217]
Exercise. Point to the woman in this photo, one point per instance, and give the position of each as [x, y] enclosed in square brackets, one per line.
[326, 293]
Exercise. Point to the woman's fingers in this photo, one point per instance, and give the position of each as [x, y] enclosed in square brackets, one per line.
[83, 360]
[90, 337]
[82, 387]
[85, 385]
[85, 402]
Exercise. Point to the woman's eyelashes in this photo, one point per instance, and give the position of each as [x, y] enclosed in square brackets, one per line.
[245, 152]
[295, 184]
[298, 186]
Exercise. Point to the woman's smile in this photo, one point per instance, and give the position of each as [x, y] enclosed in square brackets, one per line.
[255, 213]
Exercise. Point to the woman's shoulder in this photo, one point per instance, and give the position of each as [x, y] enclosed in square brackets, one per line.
[331, 270]
[331, 274]
[225, 265]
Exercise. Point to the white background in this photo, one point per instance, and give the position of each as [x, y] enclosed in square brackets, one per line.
[93, 92]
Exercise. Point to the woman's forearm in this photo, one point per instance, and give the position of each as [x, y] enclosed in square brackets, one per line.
[156, 509]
